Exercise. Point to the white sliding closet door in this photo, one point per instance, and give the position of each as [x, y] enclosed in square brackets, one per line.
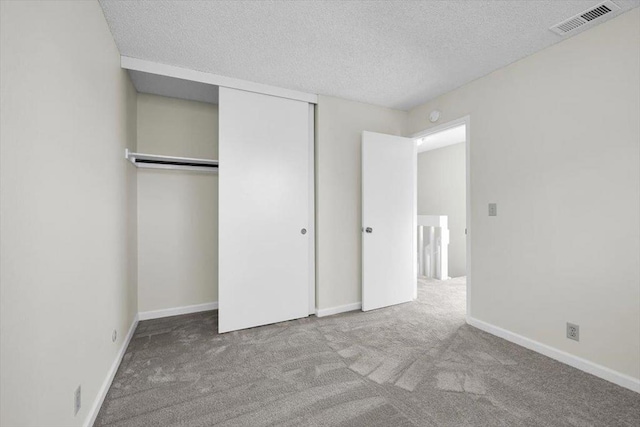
[265, 180]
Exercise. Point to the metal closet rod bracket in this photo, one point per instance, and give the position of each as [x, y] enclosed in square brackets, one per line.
[154, 161]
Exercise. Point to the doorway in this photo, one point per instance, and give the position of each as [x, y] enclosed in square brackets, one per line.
[443, 210]
[390, 217]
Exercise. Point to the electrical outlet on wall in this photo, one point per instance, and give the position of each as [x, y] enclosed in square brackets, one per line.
[77, 403]
[573, 331]
[493, 209]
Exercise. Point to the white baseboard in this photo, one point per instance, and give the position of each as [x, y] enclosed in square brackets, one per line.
[175, 311]
[102, 393]
[156, 314]
[340, 309]
[592, 368]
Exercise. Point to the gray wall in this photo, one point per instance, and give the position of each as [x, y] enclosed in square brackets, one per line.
[68, 196]
[177, 209]
[339, 126]
[442, 191]
[560, 161]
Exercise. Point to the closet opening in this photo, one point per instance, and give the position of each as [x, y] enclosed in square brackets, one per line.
[176, 166]
[231, 242]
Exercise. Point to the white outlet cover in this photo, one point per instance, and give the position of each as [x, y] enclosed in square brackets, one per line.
[573, 331]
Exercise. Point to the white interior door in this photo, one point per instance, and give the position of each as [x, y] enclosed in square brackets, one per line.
[264, 218]
[388, 220]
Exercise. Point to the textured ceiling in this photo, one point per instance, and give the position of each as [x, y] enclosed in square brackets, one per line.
[392, 53]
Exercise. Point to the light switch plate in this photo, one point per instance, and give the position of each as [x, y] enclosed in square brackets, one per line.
[493, 209]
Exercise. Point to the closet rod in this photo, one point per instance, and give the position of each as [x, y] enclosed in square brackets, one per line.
[141, 160]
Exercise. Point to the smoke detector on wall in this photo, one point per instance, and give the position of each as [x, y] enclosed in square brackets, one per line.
[588, 16]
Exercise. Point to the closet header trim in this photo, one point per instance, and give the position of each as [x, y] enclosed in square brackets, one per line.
[145, 66]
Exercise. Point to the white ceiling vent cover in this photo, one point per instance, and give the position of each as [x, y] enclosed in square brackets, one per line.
[584, 18]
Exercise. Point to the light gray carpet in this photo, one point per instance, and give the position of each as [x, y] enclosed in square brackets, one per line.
[417, 364]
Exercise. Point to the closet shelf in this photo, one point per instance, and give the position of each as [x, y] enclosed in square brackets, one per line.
[141, 160]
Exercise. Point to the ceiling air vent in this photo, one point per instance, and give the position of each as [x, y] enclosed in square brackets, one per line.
[584, 18]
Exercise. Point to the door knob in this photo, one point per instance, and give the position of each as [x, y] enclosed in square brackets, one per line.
[303, 231]
[369, 230]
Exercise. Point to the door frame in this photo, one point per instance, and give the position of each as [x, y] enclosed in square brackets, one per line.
[312, 212]
[465, 120]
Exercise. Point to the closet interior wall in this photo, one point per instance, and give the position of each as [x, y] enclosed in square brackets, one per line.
[177, 209]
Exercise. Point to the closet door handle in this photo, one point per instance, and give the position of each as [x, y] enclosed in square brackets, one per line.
[303, 231]
[368, 230]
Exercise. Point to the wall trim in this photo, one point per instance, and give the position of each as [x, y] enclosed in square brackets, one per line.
[584, 365]
[147, 315]
[339, 309]
[176, 311]
[587, 366]
[106, 385]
